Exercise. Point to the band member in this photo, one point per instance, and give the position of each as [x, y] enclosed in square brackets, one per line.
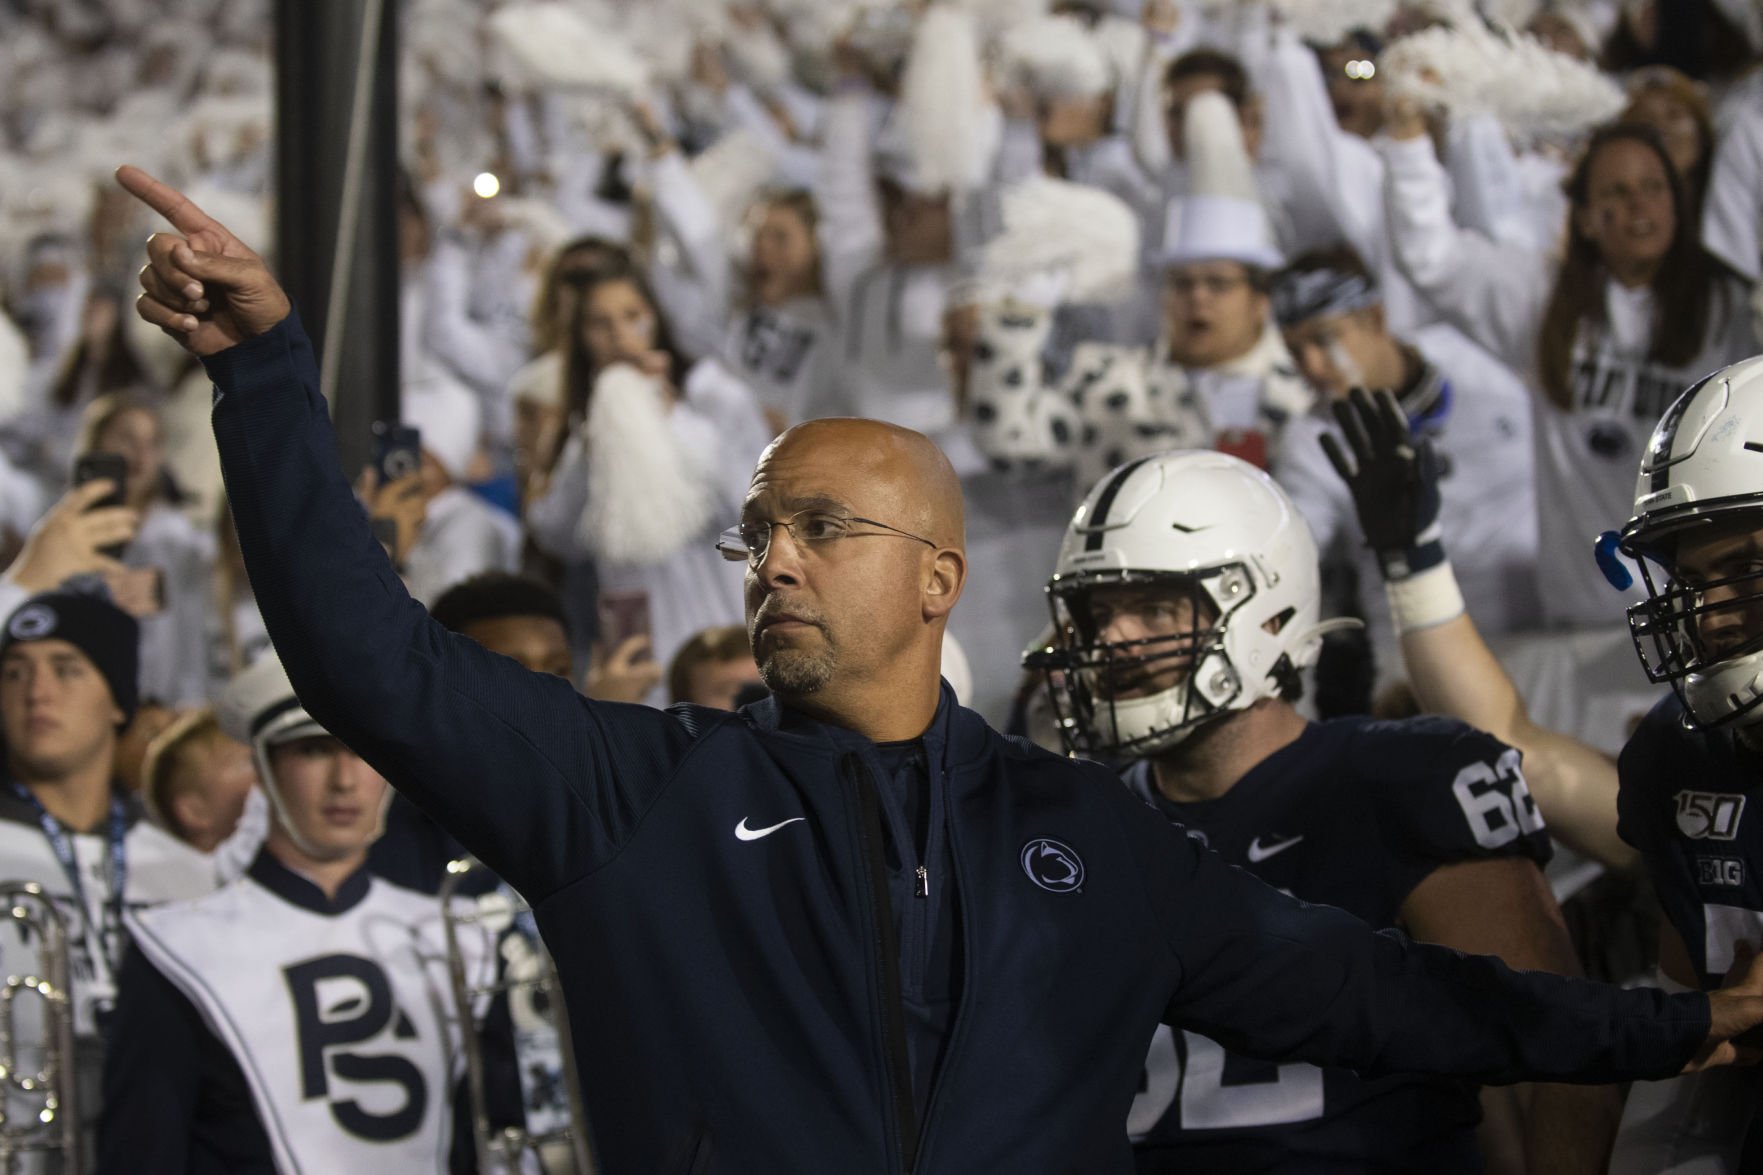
[301, 1018]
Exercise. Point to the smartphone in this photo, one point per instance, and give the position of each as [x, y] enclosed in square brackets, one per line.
[622, 616]
[397, 450]
[111, 467]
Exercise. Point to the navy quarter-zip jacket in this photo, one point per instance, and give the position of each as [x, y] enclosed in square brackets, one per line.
[735, 1003]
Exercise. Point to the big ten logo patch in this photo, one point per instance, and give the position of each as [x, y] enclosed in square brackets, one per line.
[350, 1029]
[1703, 815]
[1720, 871]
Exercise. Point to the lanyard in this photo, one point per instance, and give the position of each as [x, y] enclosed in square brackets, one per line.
[62, 847]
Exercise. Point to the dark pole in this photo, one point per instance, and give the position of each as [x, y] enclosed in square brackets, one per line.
[336, 200]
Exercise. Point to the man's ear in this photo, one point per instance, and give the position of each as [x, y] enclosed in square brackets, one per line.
[946, 574]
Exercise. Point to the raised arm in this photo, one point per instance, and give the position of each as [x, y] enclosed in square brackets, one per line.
[1493, 293]
[537, 781]
[1732, 215]
[1395, 490]
[851, 222]
[1329, 168]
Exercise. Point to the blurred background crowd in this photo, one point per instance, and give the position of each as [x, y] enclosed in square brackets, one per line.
[638, 240]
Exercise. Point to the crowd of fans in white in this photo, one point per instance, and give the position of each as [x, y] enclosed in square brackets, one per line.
[640, 239]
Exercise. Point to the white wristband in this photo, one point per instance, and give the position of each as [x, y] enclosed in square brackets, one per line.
[1425, 600]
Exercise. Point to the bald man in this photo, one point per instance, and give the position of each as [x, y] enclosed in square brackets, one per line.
[849, 928]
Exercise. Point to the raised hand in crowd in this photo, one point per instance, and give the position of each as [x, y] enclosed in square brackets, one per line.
[203, 286]
[139, 591]
[395, 509]
[71, 538]
[623, 674]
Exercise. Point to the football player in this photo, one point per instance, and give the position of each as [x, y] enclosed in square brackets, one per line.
[1694, 1123]
[1394, 482]
[1185, 604]
[1689, 773]
[301, 1018]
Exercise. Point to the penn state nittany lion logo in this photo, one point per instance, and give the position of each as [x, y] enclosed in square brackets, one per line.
[1053, 866]
[32, 622]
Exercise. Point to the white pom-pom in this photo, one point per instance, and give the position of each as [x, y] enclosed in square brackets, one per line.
[1124, 43]
[1055, 57]
[550, 43]
[646, 496]
[731, 172]
[1086, 236]
[943, 102]
[1536, 94]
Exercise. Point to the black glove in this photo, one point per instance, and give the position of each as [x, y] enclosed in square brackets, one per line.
[1394, 479]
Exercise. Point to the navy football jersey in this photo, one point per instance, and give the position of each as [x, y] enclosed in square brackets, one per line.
[1687, 805]
[1354, 814]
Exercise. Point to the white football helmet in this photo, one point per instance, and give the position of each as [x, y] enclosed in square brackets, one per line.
[1704, 466]
[1196, 521]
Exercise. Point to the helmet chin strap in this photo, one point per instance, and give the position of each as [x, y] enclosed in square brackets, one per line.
[1338, 624]
[1732, 690]
[283, 820]
[1162, 719]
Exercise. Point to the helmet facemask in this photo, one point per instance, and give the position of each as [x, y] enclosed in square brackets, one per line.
[1094, 684]
[1719, 682]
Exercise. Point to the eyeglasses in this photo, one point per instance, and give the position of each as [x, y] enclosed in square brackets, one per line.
[1215, 284]
[812, 529]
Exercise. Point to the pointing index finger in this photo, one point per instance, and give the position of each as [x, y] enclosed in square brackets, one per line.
[177, 208]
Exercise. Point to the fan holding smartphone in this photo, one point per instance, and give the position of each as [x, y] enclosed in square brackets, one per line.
[170, 562]
[392, 491]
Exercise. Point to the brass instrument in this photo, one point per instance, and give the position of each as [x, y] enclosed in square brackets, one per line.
[53, 1126]
[530, 980]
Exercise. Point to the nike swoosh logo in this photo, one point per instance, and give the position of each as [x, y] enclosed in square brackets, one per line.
[745, 833]
[1259, 852]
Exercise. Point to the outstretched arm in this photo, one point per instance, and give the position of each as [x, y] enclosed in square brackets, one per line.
[1395, 491]
[1268, 976]
[540, 783]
